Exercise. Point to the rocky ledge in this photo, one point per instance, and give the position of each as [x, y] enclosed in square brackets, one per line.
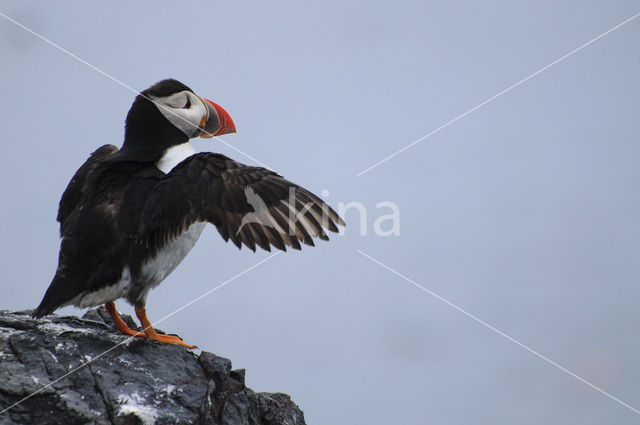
[58, 363]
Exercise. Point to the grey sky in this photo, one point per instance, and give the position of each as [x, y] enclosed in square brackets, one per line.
[525, 212]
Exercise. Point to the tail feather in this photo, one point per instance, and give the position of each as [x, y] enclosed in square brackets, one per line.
[56, 296]
[42, 310]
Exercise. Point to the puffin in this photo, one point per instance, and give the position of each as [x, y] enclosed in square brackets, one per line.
[129, 216]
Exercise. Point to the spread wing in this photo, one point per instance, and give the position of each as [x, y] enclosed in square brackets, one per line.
[73, 193]
[248, 205]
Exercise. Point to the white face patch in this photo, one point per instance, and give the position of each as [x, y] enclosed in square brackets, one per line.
[184, 110]
[174, 156]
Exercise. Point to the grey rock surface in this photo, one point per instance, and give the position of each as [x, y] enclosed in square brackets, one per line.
[82, 371]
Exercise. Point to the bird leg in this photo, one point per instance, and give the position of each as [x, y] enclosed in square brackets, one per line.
[151, 333]
[122, 327]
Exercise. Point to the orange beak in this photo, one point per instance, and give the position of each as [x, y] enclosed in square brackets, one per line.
[218, 122]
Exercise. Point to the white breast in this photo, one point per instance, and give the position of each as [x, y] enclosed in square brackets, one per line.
[174, 156]
[156, 269]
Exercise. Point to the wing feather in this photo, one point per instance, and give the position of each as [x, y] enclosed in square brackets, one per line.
[74, 191]
[250, 206]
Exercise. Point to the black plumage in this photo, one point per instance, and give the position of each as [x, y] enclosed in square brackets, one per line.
[120, 210]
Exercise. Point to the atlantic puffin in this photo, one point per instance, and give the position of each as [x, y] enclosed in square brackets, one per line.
[129, 216]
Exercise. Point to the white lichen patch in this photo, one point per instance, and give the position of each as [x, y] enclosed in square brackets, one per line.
[169, 389]
[133, 366]
[134, 404]
[53, 356]
[59, 329]
[125, 361]
[78, 404]
[7, 332]
[164, 393]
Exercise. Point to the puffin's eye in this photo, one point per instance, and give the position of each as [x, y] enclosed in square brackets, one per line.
[188, 104]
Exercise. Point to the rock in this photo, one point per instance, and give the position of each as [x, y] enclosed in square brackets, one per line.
[82, 371]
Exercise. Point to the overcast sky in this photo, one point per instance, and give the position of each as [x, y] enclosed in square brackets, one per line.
[524, 213]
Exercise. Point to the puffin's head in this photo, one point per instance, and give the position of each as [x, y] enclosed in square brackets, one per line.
[169, 112]
[193, 115]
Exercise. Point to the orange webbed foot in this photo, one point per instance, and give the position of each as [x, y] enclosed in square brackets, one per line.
[151, 333]
[168, 339]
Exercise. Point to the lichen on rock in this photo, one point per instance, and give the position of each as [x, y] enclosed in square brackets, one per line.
[83, 371]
